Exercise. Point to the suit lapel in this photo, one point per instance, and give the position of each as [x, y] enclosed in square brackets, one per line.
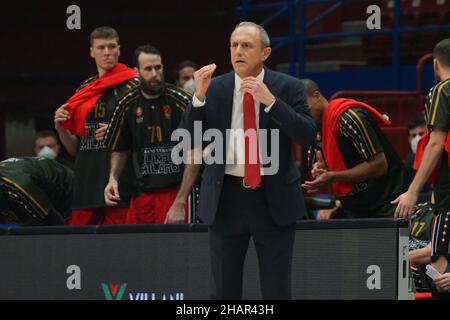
[226, 107]
[264, 116]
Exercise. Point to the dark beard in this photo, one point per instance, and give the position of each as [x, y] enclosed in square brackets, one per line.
[152, 90]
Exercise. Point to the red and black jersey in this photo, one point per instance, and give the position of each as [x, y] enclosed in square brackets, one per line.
[360, 139]
[145, 127]
[437, 111]
[92, 163]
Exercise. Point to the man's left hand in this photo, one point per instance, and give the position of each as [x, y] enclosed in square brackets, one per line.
[176, 213]
[258, 90]
[326, 214]
[405, 204]
[324, 177]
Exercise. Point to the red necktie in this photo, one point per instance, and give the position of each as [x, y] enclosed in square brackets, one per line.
[252, 176]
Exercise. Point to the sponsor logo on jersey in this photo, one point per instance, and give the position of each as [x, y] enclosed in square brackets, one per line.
[139, 112]
[167, 112]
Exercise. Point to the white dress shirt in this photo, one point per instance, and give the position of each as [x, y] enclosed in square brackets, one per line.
[235, 161]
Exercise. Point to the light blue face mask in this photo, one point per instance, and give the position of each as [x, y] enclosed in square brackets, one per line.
[47, 152]
[189, 86]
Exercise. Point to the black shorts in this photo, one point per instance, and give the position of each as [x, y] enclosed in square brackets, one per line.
[440, 236]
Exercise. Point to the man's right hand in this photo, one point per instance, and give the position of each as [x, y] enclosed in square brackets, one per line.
[61, 115]
[176, 213]
[202, 78]
[101, 131]
[111, 193]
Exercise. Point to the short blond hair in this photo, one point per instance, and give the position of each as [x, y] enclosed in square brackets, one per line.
[104, 32]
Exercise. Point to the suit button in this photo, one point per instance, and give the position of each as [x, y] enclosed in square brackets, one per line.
[218, 182]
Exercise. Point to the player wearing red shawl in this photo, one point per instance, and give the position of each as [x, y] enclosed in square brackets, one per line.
[359, 162]
[85, 116]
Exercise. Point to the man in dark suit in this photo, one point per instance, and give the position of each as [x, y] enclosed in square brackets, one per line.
[239, 197]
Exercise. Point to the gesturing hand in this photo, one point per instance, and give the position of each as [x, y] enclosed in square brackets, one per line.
[318, 165]
[202, 78]
[323, 178]
[258, 90]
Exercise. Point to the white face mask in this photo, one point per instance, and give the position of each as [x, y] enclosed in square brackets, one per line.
[189, 86]
[47, 152]
[414, 143]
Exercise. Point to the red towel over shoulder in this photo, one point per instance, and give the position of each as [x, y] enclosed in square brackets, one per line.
[84, 100]
[330, 133]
